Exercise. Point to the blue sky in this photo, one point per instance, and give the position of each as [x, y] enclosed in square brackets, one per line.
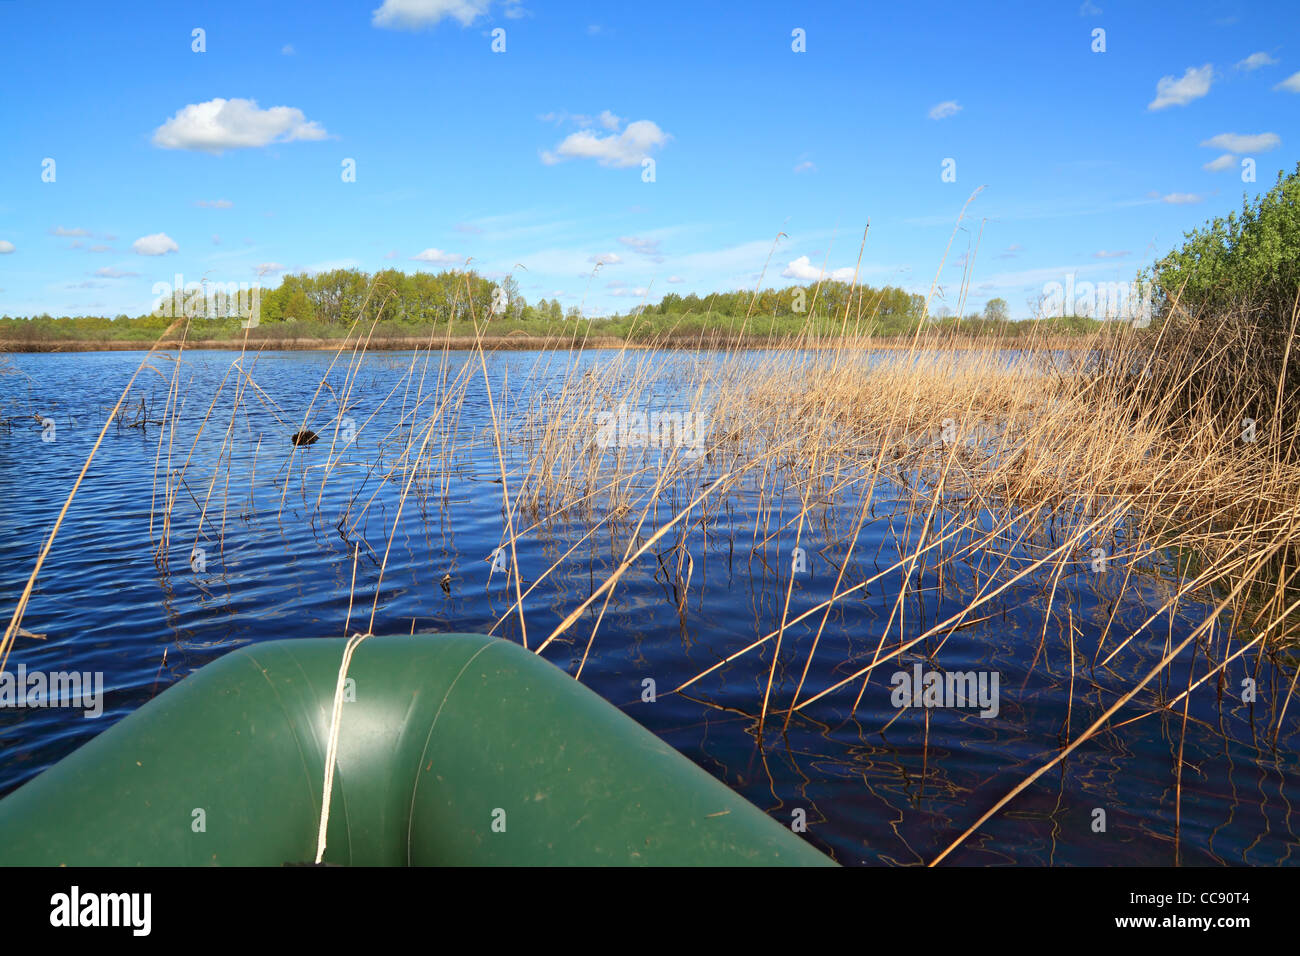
[228, 163]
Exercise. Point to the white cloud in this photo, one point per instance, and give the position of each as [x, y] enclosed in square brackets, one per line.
[1226, 161]
[288, 49]
[1291, 84]
[1089, 9]
[1255, 61]
[807, 166]
[416, 14]
[437, 256]
[675, 279]
[646, 247]
[1244, 143]
[1194, 84]
[1105, 254]
[1181, 199]
[62, 231]
[637, 292]
[606, 259]
[108, 272]
[222, 124]
[158, 244]
[620, 150]
[606, 118]
[6, 247]
[215, 203]
[268, 268]
[805, 271]
[944, 110]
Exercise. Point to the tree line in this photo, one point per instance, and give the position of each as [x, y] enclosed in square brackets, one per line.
[344, 295]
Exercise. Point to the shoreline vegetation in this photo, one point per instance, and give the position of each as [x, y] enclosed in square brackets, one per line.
[647, 329]
[524, 343]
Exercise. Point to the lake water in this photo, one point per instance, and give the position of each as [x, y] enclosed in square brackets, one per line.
[877, 785]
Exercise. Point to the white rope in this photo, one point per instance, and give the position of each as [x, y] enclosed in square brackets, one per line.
[331, 749]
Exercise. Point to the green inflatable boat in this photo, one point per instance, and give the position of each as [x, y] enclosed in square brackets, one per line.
[453, 749]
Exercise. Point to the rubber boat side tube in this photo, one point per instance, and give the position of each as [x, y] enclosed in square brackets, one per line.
[458, 749]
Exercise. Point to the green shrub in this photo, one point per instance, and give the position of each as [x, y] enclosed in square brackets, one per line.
[1224, 304]
[1246, 262]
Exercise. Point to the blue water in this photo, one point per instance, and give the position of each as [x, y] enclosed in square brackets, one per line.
[877, 786]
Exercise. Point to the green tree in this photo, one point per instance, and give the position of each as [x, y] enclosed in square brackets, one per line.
[299, 307]
[1248, 261]
[996, 310]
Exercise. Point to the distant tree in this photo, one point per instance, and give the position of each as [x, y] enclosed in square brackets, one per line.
[513, 300]
[298, 306]
[670, 303]
[996, 310]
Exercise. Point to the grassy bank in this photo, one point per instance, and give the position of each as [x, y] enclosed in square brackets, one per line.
[718, 332]
[739, 323]
[492, 343]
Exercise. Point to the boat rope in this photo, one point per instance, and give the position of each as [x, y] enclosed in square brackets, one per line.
[331, 749]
